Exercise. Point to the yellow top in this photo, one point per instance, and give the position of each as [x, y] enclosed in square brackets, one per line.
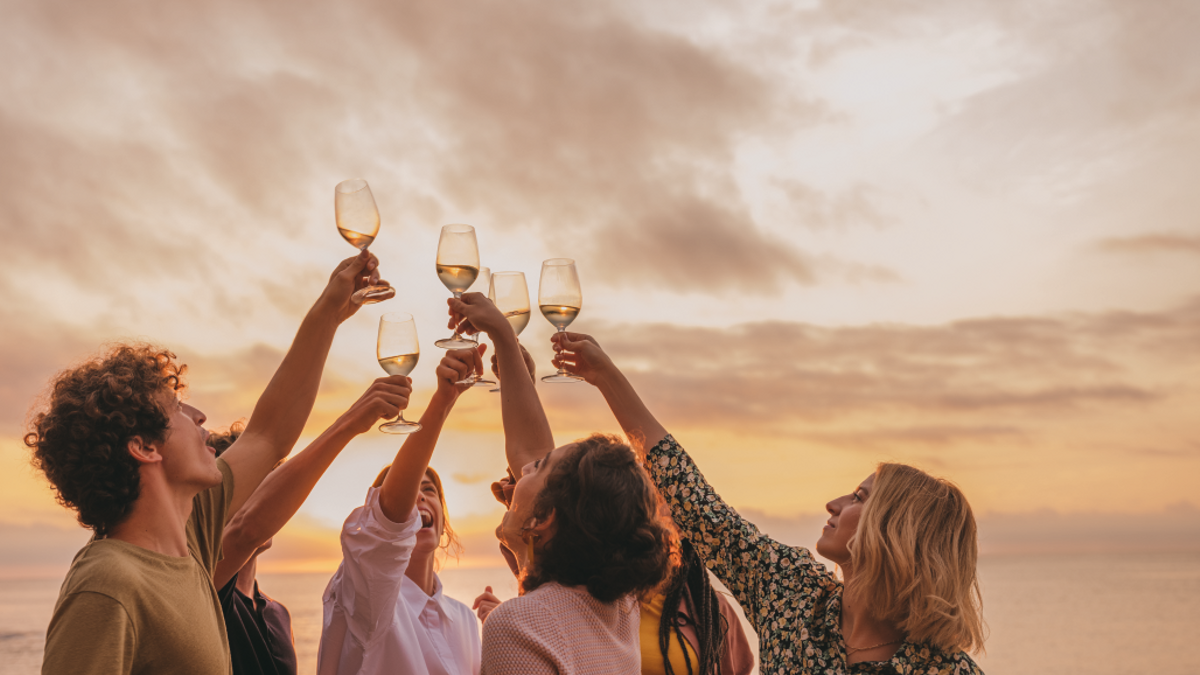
[652, 660]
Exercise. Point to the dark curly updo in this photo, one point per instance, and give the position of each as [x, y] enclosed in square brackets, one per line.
[80, 440]
[607, 535]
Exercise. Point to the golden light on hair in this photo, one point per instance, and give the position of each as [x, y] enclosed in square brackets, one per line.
[914, 559]
[449, 543]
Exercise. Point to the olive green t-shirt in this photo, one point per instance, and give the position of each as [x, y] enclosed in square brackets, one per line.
[125, 609]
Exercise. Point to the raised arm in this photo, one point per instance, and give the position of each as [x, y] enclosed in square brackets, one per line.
[527, 434]
[282, 492]
[581, 355]
[398, 494]
[748, 562]
[282, 410]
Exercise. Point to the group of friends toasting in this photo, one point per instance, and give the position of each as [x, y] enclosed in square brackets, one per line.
[613, 541]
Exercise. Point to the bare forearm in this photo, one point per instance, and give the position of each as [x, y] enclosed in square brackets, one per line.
[283, 409]
[639, 424]
[527, 433]
[277, 499]
[398, 494]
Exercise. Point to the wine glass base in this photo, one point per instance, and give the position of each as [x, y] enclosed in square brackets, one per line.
[373, 294]
[477, 382]
[459, 342]
[399, 427]
[562, 377]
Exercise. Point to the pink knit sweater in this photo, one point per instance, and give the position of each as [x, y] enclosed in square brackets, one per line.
[556, 630]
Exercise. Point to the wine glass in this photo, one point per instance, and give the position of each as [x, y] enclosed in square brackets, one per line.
[511, 296]
[358, 223]
[482, 283]
[398, 351]
[457, 267]
[559, 298]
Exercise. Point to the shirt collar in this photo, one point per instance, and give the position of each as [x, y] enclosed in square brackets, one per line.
[415, 598]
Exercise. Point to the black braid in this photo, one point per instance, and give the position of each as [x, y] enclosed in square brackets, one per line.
[690, 582]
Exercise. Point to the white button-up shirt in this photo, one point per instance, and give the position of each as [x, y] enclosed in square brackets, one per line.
[377, 620]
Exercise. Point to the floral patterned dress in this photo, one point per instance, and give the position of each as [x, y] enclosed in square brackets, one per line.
[793, 601]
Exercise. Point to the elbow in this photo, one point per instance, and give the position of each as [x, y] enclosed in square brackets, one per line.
[242, 534]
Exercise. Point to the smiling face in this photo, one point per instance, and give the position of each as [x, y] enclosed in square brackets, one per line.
[520, 513]
[433, 516]
[843, 523]
[188, 460]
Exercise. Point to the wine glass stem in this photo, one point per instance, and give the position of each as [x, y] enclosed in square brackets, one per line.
[457, 296]
[562, 371]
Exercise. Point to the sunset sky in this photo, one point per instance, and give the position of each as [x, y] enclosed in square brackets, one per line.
[959, 234]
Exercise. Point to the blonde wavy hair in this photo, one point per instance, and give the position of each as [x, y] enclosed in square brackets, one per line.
[913, 558]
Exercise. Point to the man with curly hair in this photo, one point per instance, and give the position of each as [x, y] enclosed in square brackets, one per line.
[123, 450]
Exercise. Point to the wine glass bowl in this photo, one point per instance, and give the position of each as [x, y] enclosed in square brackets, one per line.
[398, 351]
[457, 267]
[559, 299]
[358, 222]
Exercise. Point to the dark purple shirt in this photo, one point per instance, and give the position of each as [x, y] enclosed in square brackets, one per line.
[260, 633]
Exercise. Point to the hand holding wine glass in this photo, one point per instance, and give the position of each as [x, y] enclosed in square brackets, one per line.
[560, 298]
[385, 398]
[581, 355]
[473, 312]
[457, 267]
[349, 277]
[482, 284]
[398, 351]
[458, 365]
[358, 223]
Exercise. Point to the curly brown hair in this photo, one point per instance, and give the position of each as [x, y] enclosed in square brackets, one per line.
[80, 439]
[607, 535]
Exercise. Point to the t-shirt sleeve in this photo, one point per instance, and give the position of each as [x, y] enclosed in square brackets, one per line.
[375, 553]
[89, 634]
[749, 563]
[207, 524]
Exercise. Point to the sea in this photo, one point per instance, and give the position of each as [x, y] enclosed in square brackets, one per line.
[1093, 614]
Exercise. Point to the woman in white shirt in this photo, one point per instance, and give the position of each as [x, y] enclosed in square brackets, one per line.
[384, 607]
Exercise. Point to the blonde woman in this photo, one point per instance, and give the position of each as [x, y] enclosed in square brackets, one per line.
[905, 541]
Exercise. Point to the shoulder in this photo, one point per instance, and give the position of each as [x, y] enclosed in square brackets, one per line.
[529, 613]
[924, 659]
[105, 567]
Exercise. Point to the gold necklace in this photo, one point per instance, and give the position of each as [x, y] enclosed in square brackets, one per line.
[850, 651]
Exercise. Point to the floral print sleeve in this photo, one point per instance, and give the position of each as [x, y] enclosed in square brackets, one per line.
[757, 569]
[791, 600]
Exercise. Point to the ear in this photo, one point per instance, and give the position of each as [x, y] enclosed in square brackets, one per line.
[542, 528]
[143, 452]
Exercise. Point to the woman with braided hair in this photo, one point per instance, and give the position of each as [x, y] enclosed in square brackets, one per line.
[691, 629]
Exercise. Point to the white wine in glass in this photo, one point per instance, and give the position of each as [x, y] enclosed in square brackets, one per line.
[457, 267]
[511, 296]
[358, 223]
[482, 283]
[560, 298]
[398, 351]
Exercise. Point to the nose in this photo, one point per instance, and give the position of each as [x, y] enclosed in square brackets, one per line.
[527, 468]
[195, 414]
[833, 507]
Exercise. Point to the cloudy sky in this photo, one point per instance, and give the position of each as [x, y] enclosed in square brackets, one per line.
[963, 235]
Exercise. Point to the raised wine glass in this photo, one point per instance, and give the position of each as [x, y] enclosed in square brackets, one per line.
[358, 223]
[482, 283]
[559, 298]
[511, 296]
[398, 351]
[457, 267]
